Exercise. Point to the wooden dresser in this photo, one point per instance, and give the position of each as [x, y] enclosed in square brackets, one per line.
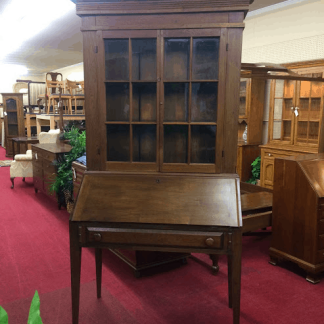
[298, 213]
[44, 169]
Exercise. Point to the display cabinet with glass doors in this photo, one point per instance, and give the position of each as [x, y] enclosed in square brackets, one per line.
[295, 122]
[252, 95]
[162, 80]
[13, 118]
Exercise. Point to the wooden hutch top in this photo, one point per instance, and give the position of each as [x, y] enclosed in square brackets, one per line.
[112, 7]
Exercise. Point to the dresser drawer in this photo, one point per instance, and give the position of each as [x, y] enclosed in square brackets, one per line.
[37, 171]
[321, 226]
[320, 256]
[155, 237]
[321, 242]
[48, 156]
[49, 167]
[277, 154]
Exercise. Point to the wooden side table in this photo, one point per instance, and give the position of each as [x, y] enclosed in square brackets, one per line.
[22, 140]
[158, 212]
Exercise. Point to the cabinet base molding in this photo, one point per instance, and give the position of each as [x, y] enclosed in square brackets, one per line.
[312, 270]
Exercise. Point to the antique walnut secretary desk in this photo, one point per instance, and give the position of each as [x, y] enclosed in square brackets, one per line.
[162, 80]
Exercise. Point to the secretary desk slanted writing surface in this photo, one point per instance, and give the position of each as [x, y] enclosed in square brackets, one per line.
[162, 80]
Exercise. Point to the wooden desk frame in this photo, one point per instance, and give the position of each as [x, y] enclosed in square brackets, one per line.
[182, 231]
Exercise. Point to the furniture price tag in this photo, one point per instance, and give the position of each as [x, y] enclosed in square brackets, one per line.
[296, 112]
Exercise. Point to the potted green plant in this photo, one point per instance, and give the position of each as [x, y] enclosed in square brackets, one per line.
[34, 312]
[256, 166]
[63, 183]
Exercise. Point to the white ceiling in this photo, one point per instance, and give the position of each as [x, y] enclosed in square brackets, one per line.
[60, 44]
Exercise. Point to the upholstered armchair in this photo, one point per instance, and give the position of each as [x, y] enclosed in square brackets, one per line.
[22, 166]
[52, 136]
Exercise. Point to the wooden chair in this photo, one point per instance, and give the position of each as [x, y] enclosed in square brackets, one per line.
[53, 96]
[76, 90]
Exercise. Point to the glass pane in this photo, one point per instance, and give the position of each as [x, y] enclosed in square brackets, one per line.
[313, 132]
[117, 59]
[204, 102]
[287, 112]
[205, 58]
[13, 130]
[175, 144]
[286, 130]
[277, 114]
[279, 88]
[176, 58]
[243, 88]
[242, 107]
[276, 130]
[12, 118]
[289, 88]
[11, 105]
[302, 131]
[144, 59]
[144, 143]
[117, 100]
[144, 102]
[176, 98]
[303, 104]
[203, 140]
[118, 143]
[305, 88]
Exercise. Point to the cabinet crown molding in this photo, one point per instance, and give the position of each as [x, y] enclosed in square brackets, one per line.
[158, 6]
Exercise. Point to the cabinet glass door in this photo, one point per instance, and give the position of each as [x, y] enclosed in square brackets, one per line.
[131, 101]
[12, 117]
[243, 98]
[190, 91]
[283, 108]
[309, 105]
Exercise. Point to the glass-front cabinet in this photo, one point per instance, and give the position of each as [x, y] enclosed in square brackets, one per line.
[13, 118]
[296, 108]
[162, 100]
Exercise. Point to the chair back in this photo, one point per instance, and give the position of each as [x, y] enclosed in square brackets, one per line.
[52, 136]
[74, 87]
[54, 87]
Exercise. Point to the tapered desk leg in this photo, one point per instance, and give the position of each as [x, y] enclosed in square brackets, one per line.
[98, 254]
[75, 259]
[229, 272]
[236, 274]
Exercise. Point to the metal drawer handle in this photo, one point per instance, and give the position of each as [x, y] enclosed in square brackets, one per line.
[210, 241]
[97, 237]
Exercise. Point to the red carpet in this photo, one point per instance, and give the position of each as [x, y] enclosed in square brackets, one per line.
[34, 255]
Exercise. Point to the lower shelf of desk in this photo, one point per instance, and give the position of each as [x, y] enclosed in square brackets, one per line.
[143, 260]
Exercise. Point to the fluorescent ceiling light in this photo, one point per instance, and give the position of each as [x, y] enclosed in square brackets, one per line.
[22, 20]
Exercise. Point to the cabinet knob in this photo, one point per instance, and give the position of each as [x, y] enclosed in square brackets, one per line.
[270, 154]
[209, 241]
[97, 237]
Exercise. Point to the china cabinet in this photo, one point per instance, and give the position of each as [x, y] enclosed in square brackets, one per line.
[13, 112]
[295, 121]
[252, 92]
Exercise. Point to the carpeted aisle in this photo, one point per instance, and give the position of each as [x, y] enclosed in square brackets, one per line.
[34, 255]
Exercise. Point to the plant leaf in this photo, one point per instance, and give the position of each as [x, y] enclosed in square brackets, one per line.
[34, 312]
[3, 316]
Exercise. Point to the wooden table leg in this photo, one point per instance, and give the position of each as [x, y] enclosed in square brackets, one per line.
[75, 259]
[98, 254]
[38, 125]
[13, 149]
[28, 125]
[52, 122]
[236, 274]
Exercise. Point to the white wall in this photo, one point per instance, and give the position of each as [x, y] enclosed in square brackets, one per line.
[73, 72]
[290, 34]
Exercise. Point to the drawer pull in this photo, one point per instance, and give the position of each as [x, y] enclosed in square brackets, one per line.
[270, 154]
[210, 241]
[97, 237]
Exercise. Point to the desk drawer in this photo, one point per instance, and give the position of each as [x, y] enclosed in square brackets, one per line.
[156, 237]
